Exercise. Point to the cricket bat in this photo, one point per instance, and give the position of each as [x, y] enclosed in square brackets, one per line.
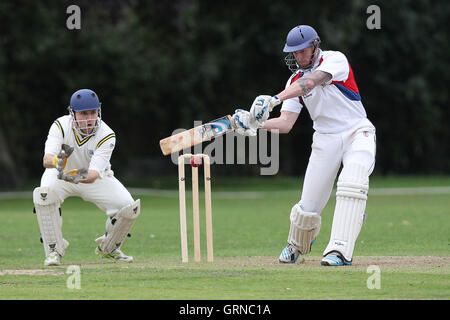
[189, 138]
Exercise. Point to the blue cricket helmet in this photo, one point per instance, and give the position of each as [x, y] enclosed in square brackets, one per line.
[300, 37]
[84, 99]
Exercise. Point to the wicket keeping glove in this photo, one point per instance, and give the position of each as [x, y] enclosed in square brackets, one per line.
[60, 160]
[74, 175]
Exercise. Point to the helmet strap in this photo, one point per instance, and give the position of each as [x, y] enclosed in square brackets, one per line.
[315, 45]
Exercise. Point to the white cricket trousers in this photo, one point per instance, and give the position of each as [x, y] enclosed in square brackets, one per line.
[107, 193]
[329, 151]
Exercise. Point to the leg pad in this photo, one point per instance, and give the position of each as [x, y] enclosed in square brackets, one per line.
[117, 231]
[351, 197]
[47, 207]
[305, 226]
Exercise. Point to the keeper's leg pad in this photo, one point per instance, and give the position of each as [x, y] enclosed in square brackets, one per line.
[305, 226]
[351, 197]
[117, 231]
[47, 208]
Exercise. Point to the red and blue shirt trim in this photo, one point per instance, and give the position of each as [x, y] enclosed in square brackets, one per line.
[348, 87]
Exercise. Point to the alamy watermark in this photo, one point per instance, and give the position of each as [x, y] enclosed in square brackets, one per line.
[232, 148]
[374, 20]
[374, 281]
[74, 280]
[74, 20]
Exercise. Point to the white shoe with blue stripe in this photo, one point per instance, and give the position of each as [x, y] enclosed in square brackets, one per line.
[334, 258]
[289, 254]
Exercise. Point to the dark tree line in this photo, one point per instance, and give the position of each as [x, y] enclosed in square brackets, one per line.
[160, 65]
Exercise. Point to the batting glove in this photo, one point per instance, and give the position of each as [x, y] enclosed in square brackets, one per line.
[240, 121]
[261, 108]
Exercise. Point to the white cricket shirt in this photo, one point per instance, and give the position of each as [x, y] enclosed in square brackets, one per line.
[92, 153]
[335, 106]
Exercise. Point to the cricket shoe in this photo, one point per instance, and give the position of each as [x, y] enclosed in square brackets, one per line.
[53, 259]
[333, 259]
[289, 254]
[116, 255]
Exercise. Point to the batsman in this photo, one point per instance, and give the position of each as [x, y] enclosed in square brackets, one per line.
[77, 163]
[323, 82]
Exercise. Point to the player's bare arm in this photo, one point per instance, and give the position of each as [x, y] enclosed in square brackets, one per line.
[92, 176]
[283, 123]
[304, 85]
[47, 161]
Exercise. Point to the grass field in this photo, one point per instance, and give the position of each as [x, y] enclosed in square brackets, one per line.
[406, 235]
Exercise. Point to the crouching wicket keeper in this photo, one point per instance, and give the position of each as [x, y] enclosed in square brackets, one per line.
[76, 161]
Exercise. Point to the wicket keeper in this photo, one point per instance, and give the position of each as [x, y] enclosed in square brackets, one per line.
[77, 163]
[322, 82]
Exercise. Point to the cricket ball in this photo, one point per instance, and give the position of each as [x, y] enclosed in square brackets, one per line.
[196, 161]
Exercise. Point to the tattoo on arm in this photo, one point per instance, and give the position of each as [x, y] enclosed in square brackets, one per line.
[306, 85]
[313, 80]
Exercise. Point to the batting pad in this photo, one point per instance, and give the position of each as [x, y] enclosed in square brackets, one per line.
[305, 226]
[125, 219]
[351, 197]
[47, 205]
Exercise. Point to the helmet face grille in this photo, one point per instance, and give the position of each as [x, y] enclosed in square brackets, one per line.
[291, 63]
[81, 127]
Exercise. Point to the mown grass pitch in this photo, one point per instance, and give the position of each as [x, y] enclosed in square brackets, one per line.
[406, 236]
